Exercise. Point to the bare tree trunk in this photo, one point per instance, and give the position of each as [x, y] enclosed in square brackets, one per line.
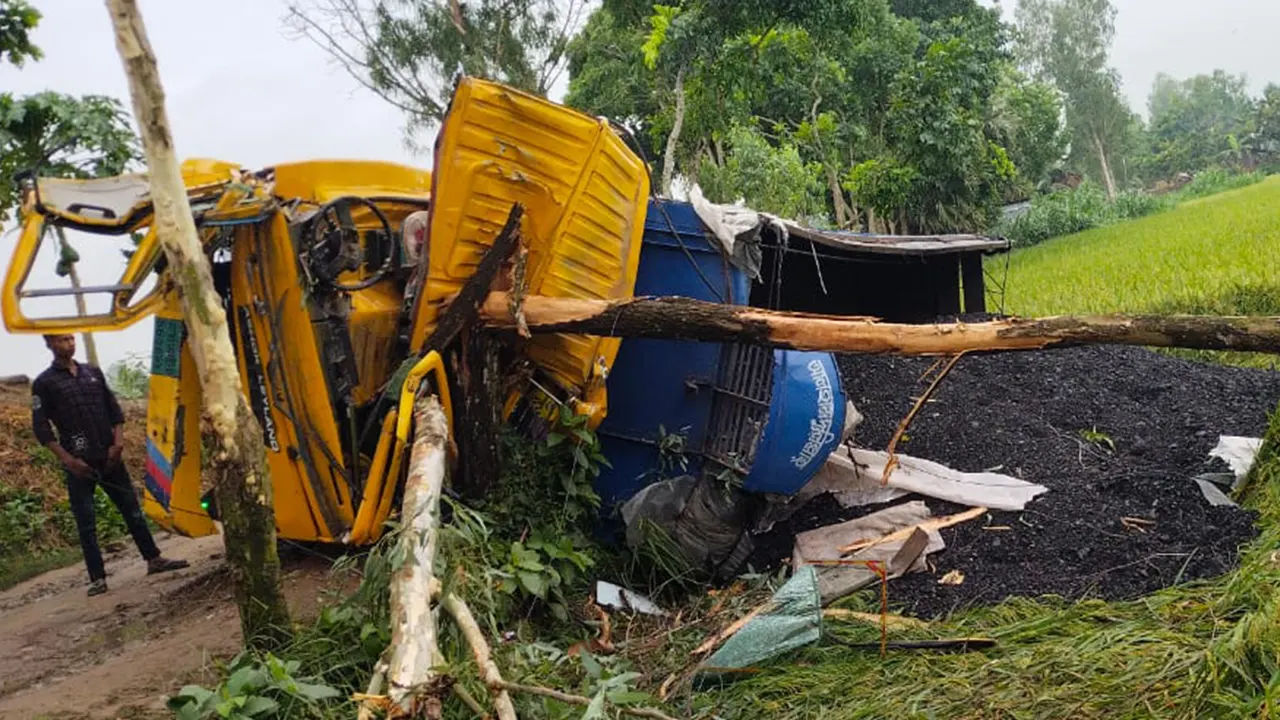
[414, 652]
[669, 159]
[243, 484]
[1107, 177]
[688, 319]
[844, 215]
[90, 347]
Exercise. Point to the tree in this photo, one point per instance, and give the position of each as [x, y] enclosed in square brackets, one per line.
[941, 170]
[1263, 140]
[770, 179]
[409, 51]
[60, 135]
[242, 483]
[17, 20]
[810, 91]
[1198, 122]
[1026, 120]
[1066, 43]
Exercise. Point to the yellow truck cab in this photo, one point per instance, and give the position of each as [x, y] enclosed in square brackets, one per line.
[333, 274]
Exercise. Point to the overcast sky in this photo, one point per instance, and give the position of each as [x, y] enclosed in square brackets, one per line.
[242, 89]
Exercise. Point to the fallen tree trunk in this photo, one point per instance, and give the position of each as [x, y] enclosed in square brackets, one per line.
[413, 687]
[689, 319]
[242, 483]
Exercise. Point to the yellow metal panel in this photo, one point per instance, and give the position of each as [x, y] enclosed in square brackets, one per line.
[323, 180]
[373, 323]
[584, 195]
[172, 481]
[310, 504]
[202, 177]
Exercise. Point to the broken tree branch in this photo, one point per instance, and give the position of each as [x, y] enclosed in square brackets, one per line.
[464, 308]
[367, 707]
[689, 319]
[474, 359]
[489, 672]
[906, 421]
[414, 651]
[935, 524]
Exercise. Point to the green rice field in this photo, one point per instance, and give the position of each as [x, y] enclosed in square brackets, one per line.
[1219, 255]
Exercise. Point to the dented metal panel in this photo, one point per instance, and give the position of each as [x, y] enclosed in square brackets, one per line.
[584, 194]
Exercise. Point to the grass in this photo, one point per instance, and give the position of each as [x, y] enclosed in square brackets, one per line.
[20, 568]
[37, 529]
[1214, 255]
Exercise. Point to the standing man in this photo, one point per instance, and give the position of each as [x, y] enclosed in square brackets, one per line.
[75, 399]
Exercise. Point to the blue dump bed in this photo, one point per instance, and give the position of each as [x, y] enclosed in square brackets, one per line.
[772, 416]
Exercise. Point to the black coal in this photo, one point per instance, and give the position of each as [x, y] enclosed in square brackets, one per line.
[1047, 417]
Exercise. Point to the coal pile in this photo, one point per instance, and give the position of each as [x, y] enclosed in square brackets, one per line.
[1115, 433]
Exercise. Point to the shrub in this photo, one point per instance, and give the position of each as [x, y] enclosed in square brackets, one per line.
[1071, 211]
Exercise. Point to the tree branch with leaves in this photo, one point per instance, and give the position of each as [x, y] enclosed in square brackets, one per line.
[409, 52]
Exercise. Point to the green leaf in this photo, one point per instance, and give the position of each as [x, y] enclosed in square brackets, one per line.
[591, 666]
[257, 705]
[245, 680]
[190, 694]
[628, 697]
[535, 583]
[595, 711]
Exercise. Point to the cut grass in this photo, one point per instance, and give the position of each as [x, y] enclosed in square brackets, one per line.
[1218, 255]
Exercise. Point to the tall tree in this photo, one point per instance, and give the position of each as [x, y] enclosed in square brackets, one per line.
[1067, 43]
[1198, 122]
[17, 20]
[409, 51]
[941, 171]
[242, 481]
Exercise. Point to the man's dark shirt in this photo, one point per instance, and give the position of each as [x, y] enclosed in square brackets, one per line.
[80, 406]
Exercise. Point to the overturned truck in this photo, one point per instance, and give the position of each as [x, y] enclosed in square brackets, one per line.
[336, 274]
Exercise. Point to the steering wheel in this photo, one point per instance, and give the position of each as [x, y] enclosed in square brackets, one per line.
[332, 243]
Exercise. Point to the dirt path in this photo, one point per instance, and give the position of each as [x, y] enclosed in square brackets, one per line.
[66, 655]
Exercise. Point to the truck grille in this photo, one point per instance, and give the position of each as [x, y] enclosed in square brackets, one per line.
[740, 408]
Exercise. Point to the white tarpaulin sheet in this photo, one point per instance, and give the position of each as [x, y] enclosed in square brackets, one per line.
[925, 477]
[1238, 453]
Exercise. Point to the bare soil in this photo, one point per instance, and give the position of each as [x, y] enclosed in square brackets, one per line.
[1043, 417]
[119, 655]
